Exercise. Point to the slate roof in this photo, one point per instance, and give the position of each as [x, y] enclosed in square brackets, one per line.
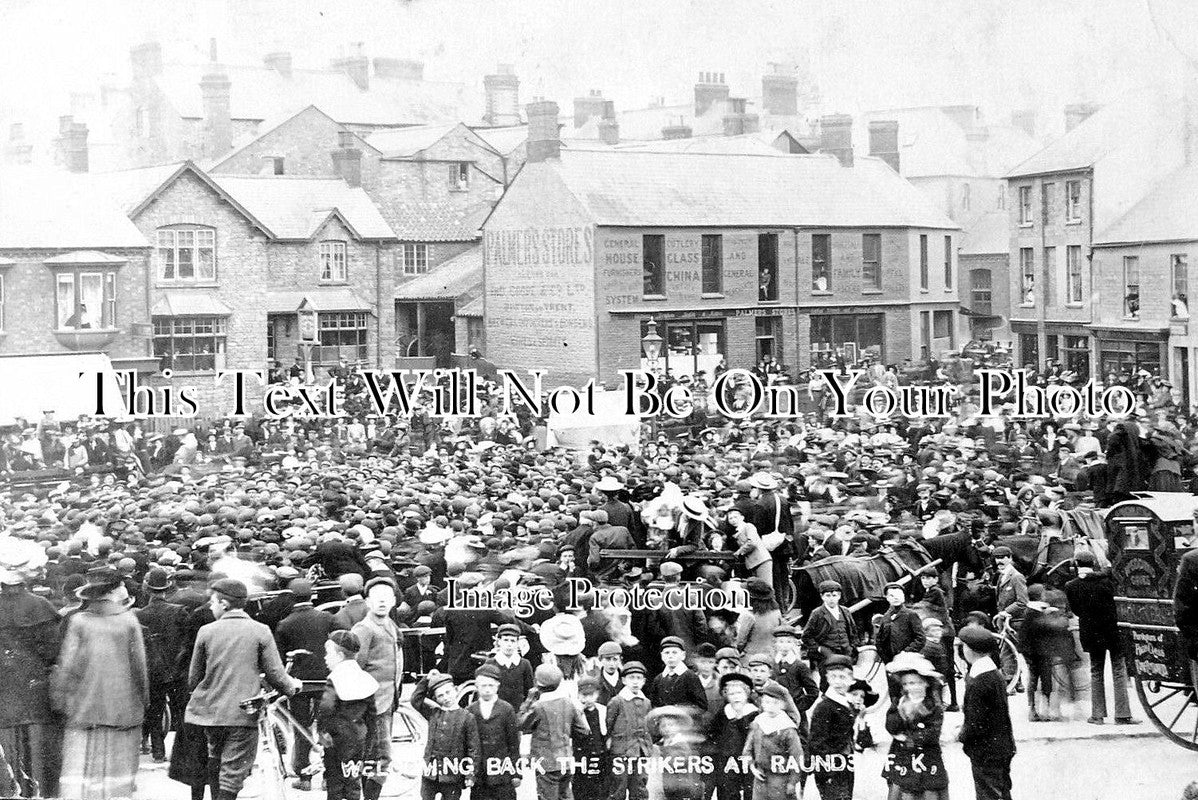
[408, 142]
[748, 143]
[294, 207]
[633, 188]
[1166, 214]
[425, 219]
[325, 298]
[503, 140]
[267, 127]
[1105, 131]
[259, 92]
[130, 188]
[932, 143]
[60, 210]
[472, 309]
[454, 278]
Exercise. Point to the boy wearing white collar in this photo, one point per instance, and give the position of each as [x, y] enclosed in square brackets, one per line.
[833, 720]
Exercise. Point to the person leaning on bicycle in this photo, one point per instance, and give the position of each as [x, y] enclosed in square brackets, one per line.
[229, 656]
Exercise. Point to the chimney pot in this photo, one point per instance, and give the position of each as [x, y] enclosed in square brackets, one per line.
[544, 139]
[836, 137]
[587, 107]
[72, 144]
[710, 90]
[883, 141]
[503, 97]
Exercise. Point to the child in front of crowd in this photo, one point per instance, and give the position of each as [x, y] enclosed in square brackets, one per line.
[344, 716]
[833, 723]
[774, 752]
[515, 672]
[628, 733]
[593, 780]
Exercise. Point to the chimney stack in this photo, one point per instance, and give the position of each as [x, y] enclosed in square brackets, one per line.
[586, 108]
[1025, 120]
[780, 92]
[402, 69]
[883, 141]
[836, 137]
[18, 151]
[679, 131]
[609, 126]
[1077, 113]
[544, 139]
[218, 111]
[72, 144]
[356, 66]
[280, 62]
[146, 60]
[710, 90]
[347, 159]
[503, 97]
[738, 120]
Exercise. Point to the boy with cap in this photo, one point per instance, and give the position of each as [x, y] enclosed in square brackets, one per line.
[452, 739]
[379, 656]
[344, 714]
[790, 671]
[592, 782]
[628, 733]
[986, 734]
[727, 733]
[611, 658]
[552, 718]
[676, 685]
[230, 656]
[705, 669]
[727, 659]
[830, 629]
[899, 629]
[773, 748]
[515, 673]
[304, 628]
[833, 721]
[499, 737]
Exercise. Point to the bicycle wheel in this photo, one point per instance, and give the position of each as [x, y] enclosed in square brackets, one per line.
[467, 694]
[1012, 663]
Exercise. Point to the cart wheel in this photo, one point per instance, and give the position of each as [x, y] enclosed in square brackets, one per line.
[1172, 709]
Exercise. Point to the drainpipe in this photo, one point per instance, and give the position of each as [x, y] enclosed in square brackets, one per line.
[149, 279]
[378, 299]
[1094, 360]
[798, 314]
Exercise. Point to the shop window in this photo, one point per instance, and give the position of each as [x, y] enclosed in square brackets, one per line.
[837, 338]
[1179, 270]
[871, 261]
[1127, 357]
[190, 344]
[1073, 274]
[1027, 279]
[1131, 287]
[653, 246]
[821, 262]
[342, 334]
[332, 262]
[1052, 348]
[85, 300]
[923, 262]
[713, 263]
[690, 348]
[187, 254]
[1075, 352]
[767, 266]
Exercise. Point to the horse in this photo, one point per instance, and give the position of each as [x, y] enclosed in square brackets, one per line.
[860, 578]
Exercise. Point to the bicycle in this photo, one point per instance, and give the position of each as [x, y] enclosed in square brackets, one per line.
[277, 732]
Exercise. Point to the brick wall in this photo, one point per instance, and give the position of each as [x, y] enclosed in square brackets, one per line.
[30, 315]
[1050, 228]
[1156, 282]
[1000, 291]
[846, 259]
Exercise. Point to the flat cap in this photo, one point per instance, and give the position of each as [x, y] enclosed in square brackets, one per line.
[978, 638]
[231, 588]
[488, 671]
[672, 641]
[610, 649]
[633, 667]
[346, 640]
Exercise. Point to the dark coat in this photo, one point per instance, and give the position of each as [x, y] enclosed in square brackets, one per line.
[1092, 599]
[1127, 467]
[452, 736]
[305, 628]
[900, 629]
[553, 723]
[677, 690]
[986, 733]
[820, 639]
[29, 642]
[1185, 602]
[466, 633]
[627, 729]
[163, 627]
[514, 682]
[499, 738]
[831, 728]
[339, 558]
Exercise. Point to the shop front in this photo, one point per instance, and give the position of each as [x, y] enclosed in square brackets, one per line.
[1123, 352]
[846, 338]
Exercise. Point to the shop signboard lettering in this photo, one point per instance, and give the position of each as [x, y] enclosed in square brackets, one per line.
[1150, 654]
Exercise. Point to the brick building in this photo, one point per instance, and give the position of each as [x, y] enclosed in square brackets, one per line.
[984, 276]
[236, 256]
[1142, 266]
[1106, 162]
[72, 271]
[733, 256]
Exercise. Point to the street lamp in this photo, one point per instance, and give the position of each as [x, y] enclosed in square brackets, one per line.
[651, 344]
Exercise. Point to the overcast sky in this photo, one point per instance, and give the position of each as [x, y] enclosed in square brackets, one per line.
[865, 54]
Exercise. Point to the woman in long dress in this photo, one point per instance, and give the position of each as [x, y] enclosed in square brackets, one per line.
[101, 688]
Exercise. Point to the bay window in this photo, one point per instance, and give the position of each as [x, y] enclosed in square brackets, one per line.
[190, 344]
[85, 300]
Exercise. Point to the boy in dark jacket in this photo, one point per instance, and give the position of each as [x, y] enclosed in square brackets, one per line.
[833, 719]
[1092, 598]
[552, 718]
[516, 678]
[986, 734]
[499, 738]
[344, 714]
[592, 781]
[628, 733]
[452, 739]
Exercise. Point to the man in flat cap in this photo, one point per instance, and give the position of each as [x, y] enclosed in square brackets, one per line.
[305, 628]
[229, 656]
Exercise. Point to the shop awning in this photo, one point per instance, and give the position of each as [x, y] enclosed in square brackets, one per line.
[34, 384]
[332, 298]
[189, 304]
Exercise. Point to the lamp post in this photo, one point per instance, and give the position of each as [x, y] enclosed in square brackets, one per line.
[651, 344]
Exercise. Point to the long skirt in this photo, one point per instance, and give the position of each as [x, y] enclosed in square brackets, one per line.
[99, 763]
[31, 759]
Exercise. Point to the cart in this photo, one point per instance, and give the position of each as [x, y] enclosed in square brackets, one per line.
[1146, 539]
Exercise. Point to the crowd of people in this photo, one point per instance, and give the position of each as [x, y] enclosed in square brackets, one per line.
[171, 571]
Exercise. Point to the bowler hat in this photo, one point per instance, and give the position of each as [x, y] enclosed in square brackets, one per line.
[157, 580]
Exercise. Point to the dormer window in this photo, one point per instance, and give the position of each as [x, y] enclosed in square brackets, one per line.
[333, 262]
